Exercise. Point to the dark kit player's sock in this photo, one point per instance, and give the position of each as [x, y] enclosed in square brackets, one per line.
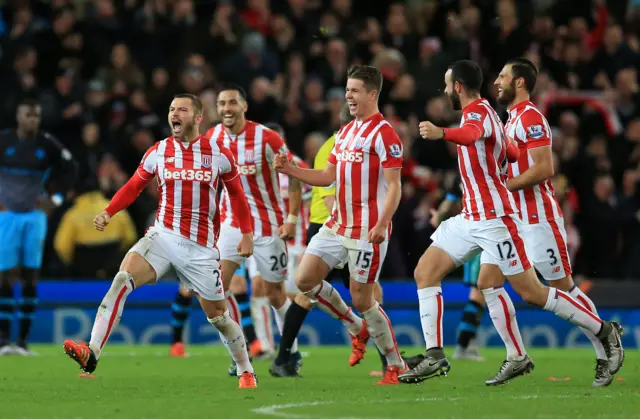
[180, 310]
[293, 321]
[244, 305]
[469, 323]
[7, 306]
[27, 311]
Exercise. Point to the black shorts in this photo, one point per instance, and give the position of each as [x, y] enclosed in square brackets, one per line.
[335, 274]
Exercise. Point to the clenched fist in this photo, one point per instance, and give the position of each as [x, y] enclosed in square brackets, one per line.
[101, 220]
[281, 163]
[428, 131]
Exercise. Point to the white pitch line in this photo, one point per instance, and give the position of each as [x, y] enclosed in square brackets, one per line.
[276, 410]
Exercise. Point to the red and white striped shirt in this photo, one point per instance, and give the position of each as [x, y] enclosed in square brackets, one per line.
[485, 195]
[530, 129]
[188, 175]
[300, 240]
[362, 150]
[254, 149]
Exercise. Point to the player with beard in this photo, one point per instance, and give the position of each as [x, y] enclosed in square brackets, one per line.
[541, 227]
[488, 223]
[188, 167]
[254, 147]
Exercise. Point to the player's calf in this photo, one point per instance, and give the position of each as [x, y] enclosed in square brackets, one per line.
[230, 333]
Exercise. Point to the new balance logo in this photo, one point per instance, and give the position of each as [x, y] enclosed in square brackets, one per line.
[513, 263]
[170, 160]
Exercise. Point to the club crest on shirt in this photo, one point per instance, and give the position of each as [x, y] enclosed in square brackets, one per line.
[248, 156]
[535, 131]
[472, 116]
[360, 142]
[206, 161]
[395, 150]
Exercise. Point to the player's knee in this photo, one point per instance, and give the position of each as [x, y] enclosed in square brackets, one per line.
[305, 283]
[362, 299]
[303, 301]
[238, 285]
[425, 274]
[219, 318]
[564, 284]
[534, 294]
[275, 293]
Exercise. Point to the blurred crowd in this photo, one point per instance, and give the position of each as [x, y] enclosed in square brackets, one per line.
[105, 72]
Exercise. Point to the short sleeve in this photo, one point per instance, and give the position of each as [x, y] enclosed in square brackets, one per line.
[389, 148]
[534, 130]
[475, 117]
[275, 144]
[228, 168]
[147, 167]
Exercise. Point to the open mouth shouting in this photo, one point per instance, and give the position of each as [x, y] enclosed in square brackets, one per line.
[176, 126]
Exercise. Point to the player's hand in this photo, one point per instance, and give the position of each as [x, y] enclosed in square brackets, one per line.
[101, 221]
[377, 234]
[428, 131]
[245, 247]
[281, 163]
[434, 220]
[287, 231]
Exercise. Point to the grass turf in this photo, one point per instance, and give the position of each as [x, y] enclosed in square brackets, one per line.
[143, 382]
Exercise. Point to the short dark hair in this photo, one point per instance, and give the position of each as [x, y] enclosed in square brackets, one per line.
[195, 100]
[468, 74]
[274, 126]
[522, 67]
[232, 86]
[30, 102]
[370, 76]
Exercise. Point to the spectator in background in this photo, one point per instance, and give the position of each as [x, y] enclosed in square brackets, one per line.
[117, 64]
[83, 250]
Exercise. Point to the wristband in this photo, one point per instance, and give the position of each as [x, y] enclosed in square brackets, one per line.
[292, 219]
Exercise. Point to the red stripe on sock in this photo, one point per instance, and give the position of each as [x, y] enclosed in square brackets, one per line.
[584, 302]
[439, 324]
[234, 308]
[578, 306]
[393, 335]
[333, 309]
[507, 315]
[114, 314]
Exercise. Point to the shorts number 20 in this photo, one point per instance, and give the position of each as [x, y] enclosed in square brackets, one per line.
[278, 263]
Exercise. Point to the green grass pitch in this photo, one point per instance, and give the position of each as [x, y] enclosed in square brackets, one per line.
[143, 382]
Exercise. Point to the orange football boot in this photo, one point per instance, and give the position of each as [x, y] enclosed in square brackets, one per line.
[177, 350]
[247, 380]
[359, 345]
[82, 354]
[255, 348]
[391, 376]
